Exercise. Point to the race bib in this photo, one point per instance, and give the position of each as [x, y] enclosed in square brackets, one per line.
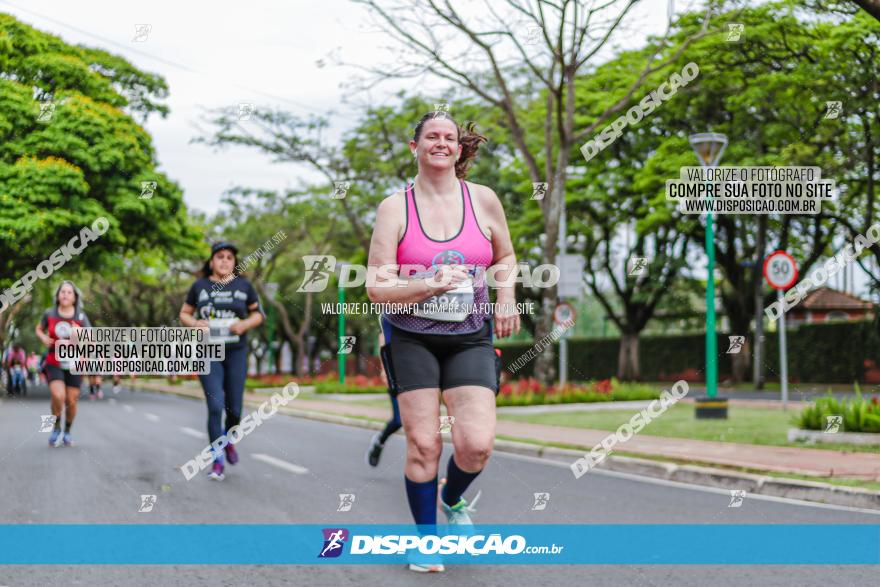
[452, 306]
[65, 364]
[219, 330]
[63, 331]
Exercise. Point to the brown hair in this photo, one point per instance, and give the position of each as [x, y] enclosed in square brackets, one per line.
[469, 139]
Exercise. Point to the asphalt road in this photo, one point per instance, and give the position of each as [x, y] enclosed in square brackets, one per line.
[292, 471]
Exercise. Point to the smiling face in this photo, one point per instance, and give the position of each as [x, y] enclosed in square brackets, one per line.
[223, 262]
[437, 146]
[66, 296]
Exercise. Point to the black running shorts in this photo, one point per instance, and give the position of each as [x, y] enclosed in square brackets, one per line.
[444, 361]
[54, 373]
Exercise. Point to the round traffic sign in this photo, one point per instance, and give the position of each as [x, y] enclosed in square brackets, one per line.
[563, 313]
[780, 270]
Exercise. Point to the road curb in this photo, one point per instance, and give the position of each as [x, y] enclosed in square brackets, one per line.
[694, 474]
[813, 436]
[711, 477]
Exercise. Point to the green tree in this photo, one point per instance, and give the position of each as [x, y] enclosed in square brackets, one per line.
[516, 79]
[71, 151]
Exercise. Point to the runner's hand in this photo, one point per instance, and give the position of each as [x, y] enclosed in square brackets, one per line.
[447, 278]
[506, 319]
[237, 327]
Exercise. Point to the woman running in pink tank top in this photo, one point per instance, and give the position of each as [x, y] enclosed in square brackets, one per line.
[441, 234]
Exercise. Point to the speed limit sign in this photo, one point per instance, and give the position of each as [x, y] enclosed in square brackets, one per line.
[563, 313]
[780, 270]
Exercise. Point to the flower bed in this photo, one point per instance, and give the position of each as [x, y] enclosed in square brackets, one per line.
[336, 387]
[257, 381]
[529, 392]
[328, 383]
[859, 414]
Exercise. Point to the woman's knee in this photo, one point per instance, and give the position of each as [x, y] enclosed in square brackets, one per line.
[473, 453]
[424, 448]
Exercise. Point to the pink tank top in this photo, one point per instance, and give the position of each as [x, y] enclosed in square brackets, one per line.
[419, 255]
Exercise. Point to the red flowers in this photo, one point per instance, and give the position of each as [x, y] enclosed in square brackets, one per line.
[602, 386]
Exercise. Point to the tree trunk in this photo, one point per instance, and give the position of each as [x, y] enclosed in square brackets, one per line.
[7, 317]
[758, 363]
[628, 357]
[300, 368]
[545, 370]
[740, 361]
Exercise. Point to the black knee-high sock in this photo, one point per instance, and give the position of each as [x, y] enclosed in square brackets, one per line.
[422, 499]
[457, 482]
[67, 425]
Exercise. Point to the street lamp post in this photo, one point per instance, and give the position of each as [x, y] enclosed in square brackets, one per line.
[709, 147]
[340, 358]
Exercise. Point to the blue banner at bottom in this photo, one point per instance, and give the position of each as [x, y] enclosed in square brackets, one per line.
[277, 544]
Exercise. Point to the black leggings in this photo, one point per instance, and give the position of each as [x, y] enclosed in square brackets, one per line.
[224, 390]
[420, 361]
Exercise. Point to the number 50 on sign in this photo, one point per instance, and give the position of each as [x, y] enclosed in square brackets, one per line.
[780, 270]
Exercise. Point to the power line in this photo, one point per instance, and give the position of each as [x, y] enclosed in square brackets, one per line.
[163, 60]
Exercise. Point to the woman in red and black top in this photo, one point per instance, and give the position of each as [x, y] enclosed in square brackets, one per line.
[57, 324]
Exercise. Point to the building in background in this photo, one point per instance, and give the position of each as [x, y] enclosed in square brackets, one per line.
[825, 304]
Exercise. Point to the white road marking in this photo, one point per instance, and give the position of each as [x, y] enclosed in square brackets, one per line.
[269, 460]
[193, 432]
[151, 417]
[680, 485]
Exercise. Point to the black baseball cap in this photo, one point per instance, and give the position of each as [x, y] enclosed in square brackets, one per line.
[222, 245]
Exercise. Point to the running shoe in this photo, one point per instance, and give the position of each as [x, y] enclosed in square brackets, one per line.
[425, 563]
[100, 394]
[231, 454]
[67, 439]
[217, 472]
[53, 439]
[427, 568]
[459, 513]
[374, 451]
[116, 389]
[91, 396]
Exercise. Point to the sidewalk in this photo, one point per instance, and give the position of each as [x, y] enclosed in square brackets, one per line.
[634, 405]
[799, 461]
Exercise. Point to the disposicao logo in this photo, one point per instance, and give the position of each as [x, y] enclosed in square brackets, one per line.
[334, 541]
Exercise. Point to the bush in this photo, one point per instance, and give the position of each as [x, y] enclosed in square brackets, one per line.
[662, 357]
[838, 352]
[529, 392]
[859, 414]
[254, 382]
[336, 387]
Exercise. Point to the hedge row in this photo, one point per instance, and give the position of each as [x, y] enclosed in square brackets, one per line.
[840, 352]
